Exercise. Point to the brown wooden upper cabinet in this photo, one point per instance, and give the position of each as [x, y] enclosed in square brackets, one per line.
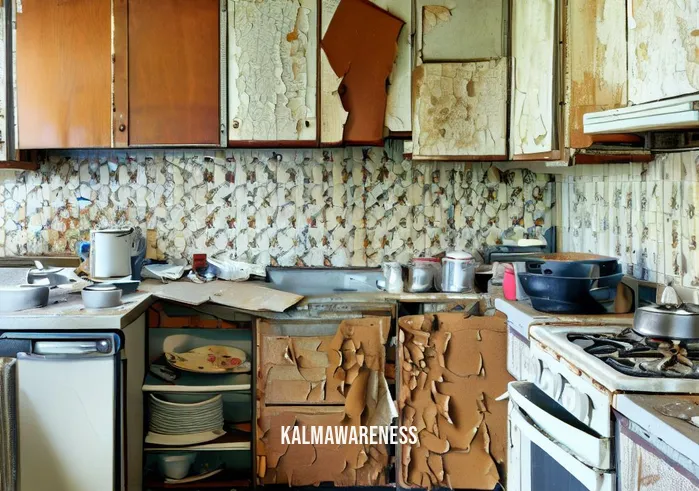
[64, 73]
[173, 72]
[166, 66]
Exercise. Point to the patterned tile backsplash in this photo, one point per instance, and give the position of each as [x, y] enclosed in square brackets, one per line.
[644, 214]
[315, 207]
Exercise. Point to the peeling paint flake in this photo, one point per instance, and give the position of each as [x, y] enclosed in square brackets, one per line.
[272, 62]
[360, 44]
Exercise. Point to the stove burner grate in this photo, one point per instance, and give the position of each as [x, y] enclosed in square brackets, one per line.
[638, 356]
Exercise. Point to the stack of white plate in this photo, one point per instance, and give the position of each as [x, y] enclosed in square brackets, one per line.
[192, 417]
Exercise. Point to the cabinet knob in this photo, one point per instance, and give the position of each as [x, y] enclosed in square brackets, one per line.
[122, 127]
[236, 124]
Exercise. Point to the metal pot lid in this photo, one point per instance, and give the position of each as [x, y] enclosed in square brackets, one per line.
[100, 287]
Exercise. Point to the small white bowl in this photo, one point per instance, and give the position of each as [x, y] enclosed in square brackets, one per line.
[101, 296]
[175, 466]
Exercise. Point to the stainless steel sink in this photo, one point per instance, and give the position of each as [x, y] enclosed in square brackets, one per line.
[324, 281]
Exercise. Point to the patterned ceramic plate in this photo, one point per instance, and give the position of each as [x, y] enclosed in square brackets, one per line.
[210, 359]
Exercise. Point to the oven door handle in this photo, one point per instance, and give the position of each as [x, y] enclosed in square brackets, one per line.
[593, 479]
[591, 449]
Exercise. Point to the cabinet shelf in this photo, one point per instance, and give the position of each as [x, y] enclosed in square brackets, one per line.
[189, 382]
[228, 442]
[224, 482]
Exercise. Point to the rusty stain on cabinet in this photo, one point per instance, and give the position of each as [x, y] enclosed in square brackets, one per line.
[173, 72]
[398, 118]
[596, 54]
[459, 30]
[663, 49]
[460, 110]
[64, 74]
[272, 71]
[360, 44]
[452, 367]
[534, 50]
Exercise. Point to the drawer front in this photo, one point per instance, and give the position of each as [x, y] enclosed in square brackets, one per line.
[302, 363]
[287, 455]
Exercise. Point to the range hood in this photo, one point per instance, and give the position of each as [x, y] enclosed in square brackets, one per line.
[670, 114]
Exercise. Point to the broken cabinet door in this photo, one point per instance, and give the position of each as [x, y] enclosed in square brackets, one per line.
[272, 72]
[452, 368]
[460, 111]
[535, 78]
[318, 362]
[662, 49]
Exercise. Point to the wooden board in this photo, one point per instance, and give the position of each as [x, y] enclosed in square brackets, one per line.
[662, 49]
[459, 30]
[398, 117]
[460, 109]
[272, 71]
[173, 72]
[242, 295]
[596, 54]
[534, 50]
[64, 74]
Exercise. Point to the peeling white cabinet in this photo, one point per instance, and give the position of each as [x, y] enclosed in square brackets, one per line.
[662, 49]
[272, 72]
[534, 77]
[460, 111]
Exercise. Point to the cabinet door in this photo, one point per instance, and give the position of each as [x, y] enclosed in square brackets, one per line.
[662, 49]
[272, 72]
[596, 59]
[452, 367]
[460, 111]
[319, 362]
[534, 80]
[64, 74]
[174, 72]
[465, 30]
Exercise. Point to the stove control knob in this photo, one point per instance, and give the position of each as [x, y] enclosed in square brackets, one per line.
[569, 399]
[551, 383]
[585, 410]
[534, 368]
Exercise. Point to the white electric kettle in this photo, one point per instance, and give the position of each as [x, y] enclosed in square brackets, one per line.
[111, 251]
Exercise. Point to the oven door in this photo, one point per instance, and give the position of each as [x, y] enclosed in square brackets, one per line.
[550, 450]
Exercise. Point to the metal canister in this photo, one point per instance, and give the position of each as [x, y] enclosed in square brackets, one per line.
[458, 272]
[421, 274]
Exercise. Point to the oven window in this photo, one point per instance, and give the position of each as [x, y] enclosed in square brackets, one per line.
[549, 475]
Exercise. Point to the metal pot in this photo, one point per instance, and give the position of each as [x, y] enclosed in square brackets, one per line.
[668, 322]
[458, 272]
[422, 273]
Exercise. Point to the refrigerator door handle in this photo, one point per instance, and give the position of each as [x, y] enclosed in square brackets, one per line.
[73, 348]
